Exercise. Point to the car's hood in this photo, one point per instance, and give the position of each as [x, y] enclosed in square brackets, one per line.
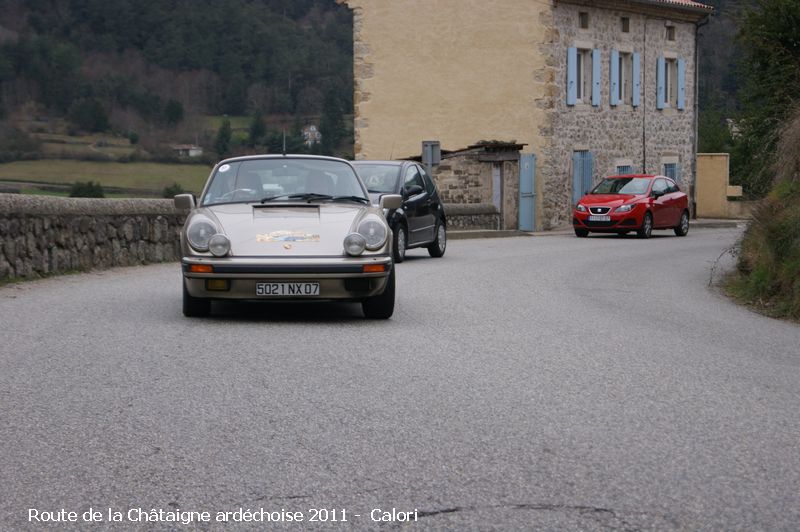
[286, 230]
[608, 200]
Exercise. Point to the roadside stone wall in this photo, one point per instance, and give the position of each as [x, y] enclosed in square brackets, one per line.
[643, 135]
[464, 179]
[42, 235]
[472, 216]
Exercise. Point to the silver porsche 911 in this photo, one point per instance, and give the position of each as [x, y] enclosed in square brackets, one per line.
[286, 227]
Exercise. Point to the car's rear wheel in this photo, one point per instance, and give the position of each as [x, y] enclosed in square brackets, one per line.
[195, 307]
[647, 226]
[438, 247]
[581, 233]
[381, 307]
[683, 227]
[400, 239]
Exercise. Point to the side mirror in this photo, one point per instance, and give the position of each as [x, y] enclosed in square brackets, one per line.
[391, 201]
[185, 202]
[413, 190]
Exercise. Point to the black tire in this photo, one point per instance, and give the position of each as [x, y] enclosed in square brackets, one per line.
[381, 307]
[439, 246]
[682, 229]
[399, 243]
[647, 226]
[195, 307]
[581, 233]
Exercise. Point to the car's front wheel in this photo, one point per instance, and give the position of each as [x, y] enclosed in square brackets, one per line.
[438, 246]
[399, 241]
[647, 226]
[195, 307]
[381, 307]
[682, 228]
[581, 233]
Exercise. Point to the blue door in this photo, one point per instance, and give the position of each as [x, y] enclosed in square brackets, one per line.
[582, 174]
[527, 194]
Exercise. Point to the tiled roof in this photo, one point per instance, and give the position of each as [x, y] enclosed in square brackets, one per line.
[694, 6]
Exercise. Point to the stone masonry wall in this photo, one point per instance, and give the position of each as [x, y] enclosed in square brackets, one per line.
[41, 235]
[644, 135]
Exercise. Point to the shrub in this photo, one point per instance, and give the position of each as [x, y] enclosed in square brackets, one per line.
[89, 189]
[173, 190]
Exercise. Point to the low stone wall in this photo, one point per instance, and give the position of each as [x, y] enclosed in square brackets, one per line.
[41, 235]
[471, 216]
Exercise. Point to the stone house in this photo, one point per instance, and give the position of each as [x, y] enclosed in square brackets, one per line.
[591, 87]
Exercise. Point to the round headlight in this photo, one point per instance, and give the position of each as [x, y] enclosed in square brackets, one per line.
[374, 231]
[354, 244]
[200, 232]
[219, 245]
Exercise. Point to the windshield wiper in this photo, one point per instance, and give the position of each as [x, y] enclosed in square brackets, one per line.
[350, 198]
[310, 196]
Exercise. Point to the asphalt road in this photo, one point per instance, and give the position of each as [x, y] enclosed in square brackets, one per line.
[540, 383]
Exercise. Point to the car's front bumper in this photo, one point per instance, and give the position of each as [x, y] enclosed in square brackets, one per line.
[627, 221]
[338, 278]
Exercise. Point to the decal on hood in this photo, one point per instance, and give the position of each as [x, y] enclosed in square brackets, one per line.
[287, 236]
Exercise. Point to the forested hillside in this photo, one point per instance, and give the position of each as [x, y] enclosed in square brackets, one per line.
[152, 67]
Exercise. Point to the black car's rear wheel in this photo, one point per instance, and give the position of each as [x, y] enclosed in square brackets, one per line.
[195, 307]
[381, 307]
[438, 246]
[399, 242]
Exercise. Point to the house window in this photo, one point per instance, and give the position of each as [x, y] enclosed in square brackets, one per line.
[671, 171]
[583, 20]
[671, 83]
[584, 71]
[624, 170]
[625, 77]
[670, 33]
[626, 24]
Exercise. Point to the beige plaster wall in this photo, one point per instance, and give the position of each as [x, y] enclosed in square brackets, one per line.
[712, 189]
[457, 71]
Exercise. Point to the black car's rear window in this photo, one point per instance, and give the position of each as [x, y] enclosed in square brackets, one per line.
[379, 177]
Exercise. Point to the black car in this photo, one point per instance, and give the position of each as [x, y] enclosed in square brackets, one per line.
[421, 221]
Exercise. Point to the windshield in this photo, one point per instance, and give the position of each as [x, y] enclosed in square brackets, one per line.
[379, 177]
[281, 179]
[622, 185]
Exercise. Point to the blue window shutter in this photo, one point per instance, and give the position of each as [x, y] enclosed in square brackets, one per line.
[572, 76]
[614, 77]
[596, 77]
[577, 176]
[588, 171]
[681, 84]
[677, 173]
[637, 82]
[660, 88]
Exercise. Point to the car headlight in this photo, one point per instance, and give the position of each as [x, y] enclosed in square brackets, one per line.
[580, 208]
[624, 208]
[374, 231]
[354, 244]
[219, 245]
[200, 232]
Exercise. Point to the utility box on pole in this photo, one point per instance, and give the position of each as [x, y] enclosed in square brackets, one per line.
[431, 154]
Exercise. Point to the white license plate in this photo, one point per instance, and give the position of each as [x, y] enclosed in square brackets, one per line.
[287, 289]
[598, 218]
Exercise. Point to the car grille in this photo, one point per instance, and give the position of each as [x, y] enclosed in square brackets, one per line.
[599, 210]
[589, 223]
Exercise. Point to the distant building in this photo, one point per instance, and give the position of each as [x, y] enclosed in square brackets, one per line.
[311, 135]
[187, 150]
[591, 87]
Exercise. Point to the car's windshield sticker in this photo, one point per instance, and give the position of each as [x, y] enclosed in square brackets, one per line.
[224, 168]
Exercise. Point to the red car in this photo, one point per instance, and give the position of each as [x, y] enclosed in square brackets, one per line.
[624, 203]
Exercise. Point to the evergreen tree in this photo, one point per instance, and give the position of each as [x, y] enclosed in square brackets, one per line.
[223, 141]
[257, 130]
